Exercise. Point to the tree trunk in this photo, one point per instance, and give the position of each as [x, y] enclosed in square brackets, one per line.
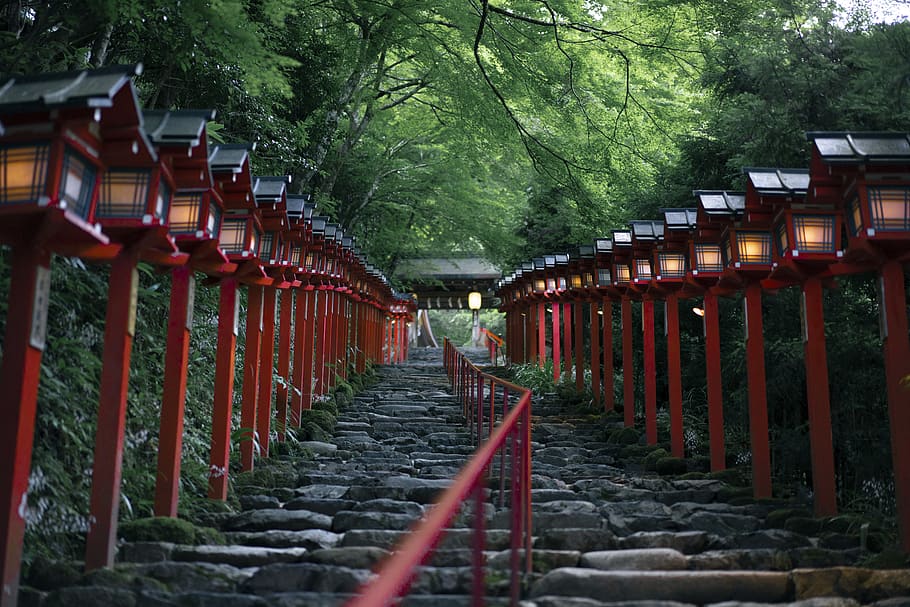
[100, 46]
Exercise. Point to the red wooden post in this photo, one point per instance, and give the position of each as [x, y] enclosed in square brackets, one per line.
[758, 404]
[818, 400]
[579, 347]
[266, 366]
[23, 344]
[320, 339]
[609, 399]
[531, 335]
[897, 374]
[628, 369]
[228, 310]
[714, 383]
[250, 376]
[647, 316]
[119, 326]
[567, 337]
[309, 338]
[170, 435]
[595, 351]
[541, 335]
[328, 377]
[674, 375]
[284, 362]
[557, 365]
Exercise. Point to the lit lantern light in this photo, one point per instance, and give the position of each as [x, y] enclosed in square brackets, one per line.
[645, 237]
[550, 274]
[603, 258]
[270, 194]
[622, 258]
[716, 210]
[561, 273]
[539, 280]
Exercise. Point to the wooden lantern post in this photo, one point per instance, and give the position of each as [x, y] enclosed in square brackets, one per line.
[622, 279]
[868, 173]
[705, 269]
[239, 241]
[603, 277]
[581, 285]
[538, 296]
[194, 221]
[51, 135]
[645, 235]
[670, 266]
[270, 194]
[746, 248]
[807, 235]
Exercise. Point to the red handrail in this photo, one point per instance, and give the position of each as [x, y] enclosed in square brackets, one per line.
[513, 438]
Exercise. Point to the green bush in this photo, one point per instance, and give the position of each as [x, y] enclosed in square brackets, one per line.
[158, 529]
[668, 466]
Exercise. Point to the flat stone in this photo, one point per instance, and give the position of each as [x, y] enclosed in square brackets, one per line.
[144, 552]
[307, 599]
[258, 502]
[542, 560]
[722, 523]
[828, 601]
[573, 507]
[195, 577]
[238, 556]
[563, 601]
[687, 542]
[311, 539]
[97, 596]
[327, 506]
[685, 586]
[582, 540]
[358, 557]
[864, 585]
[218, 599]
[768, 538]
[648, 559]
[321, 448]
[380, 538]
[322, 491]
[311, 577]
[347, 520]
[291, 520]
[386, 505]
[756, 559]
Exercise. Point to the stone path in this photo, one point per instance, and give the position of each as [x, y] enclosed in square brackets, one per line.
[606, 533]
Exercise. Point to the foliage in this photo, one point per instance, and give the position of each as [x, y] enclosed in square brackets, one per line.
[457, 324]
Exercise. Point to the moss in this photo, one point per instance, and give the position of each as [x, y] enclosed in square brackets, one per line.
[344, 393]
[693, 476]
[735, 495]
[311, 431]
[330, 405]
[650, 461]
[668, 466]
[209, 535]
[47, 574]
[158, 529]
[776, 519]
[890, 558]
[318, 417]
[732, 476]
[700, 463]
[850, 523]
[623, 436]
[804, 525]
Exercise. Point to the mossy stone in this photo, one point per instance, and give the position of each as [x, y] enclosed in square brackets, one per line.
[328, 404]
[693, 476]
[314, 432]
[650, 461]
[776, 519]
[668, 466]
[623, 436]
[729, 494]
[804, 525]
[209, 535]
[47, 574]
[731, 476]
[890, 558]
[158, 529]
[323, 419]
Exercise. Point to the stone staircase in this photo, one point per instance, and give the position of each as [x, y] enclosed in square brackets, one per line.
[606, 533]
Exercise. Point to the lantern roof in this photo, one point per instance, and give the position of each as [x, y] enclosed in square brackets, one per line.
[177, 127]
[527, 266]
[679, 219]
[622, 238]
[539, 263]
[859, 147]
[778, 182]
[231, 157]
[319, 222]
[271, 192]
[89, 89]
[330, 229]
[603, 246]
[646, 231]
[561, 259]
[585, 251]
[720, 202]
[297, 205]
[549, 261]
